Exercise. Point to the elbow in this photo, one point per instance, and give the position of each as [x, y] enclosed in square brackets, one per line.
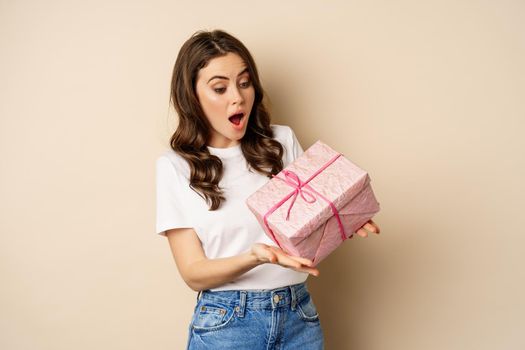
[194, 285]
[192, 279]
[199, 285]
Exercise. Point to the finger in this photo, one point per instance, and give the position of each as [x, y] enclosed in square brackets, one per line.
[371, 228]
[375, 225]
[313, 272]
[362, 233]
[269, 255]
[300, 260]
[285, 260]
[309, 270]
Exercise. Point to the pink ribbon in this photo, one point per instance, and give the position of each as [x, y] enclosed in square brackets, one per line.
[304, 189]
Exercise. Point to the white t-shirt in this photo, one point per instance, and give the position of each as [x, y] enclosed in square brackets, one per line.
[232, 229]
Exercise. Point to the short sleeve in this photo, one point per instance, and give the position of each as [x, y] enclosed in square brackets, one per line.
[170, 212]
[297, 150]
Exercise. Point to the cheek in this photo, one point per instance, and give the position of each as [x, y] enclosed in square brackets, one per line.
[211, 102]
[209, 97]
[250, 95]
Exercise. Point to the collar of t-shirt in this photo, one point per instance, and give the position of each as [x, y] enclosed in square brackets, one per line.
[228, 152]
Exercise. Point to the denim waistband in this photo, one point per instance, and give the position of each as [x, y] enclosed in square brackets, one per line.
[258, 298]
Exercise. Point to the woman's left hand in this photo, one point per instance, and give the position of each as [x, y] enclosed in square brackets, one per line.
[369, 226]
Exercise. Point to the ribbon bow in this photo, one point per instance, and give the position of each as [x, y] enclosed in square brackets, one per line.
[304, 189]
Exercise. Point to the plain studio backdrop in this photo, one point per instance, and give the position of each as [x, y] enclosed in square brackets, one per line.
[427, 96]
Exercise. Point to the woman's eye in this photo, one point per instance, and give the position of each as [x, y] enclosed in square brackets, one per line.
[219, 90]
[246, 84]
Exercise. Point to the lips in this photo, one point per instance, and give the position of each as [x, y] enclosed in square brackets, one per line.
[236, 118]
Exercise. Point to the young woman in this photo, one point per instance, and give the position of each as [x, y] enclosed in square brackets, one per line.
[252, 294]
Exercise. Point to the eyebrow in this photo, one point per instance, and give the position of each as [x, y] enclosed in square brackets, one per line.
[223, 77]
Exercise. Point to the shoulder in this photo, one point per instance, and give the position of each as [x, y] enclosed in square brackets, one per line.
[286, 136]
[171, 161]
[282, 133]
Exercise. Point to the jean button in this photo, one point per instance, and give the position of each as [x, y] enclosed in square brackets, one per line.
[276, 298]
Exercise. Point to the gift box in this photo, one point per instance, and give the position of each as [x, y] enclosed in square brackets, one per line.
[315, 203]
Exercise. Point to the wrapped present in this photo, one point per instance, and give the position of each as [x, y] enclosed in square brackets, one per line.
[315, 203]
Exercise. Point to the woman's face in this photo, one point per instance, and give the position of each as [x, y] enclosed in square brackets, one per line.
[225, 91]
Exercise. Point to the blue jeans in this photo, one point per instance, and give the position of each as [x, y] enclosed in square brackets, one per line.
[283, 318]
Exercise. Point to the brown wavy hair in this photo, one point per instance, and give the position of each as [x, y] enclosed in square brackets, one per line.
[262, 152]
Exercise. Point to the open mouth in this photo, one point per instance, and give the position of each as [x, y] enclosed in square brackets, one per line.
[236, 118]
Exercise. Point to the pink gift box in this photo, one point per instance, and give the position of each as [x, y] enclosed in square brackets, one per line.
[315, 203]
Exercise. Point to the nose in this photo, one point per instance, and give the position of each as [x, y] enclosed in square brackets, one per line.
[237, 97]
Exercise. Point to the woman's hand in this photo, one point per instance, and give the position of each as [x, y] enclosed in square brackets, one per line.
[370, 226]
[275, 255]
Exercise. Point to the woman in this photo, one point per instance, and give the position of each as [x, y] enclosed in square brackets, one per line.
[252, 294]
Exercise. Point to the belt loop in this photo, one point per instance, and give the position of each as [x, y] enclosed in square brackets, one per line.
[294, 297]
[198, 294]
[242, 304]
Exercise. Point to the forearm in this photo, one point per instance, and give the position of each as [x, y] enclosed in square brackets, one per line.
[211, 273]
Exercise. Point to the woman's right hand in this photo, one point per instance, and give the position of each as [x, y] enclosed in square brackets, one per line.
[275, 255]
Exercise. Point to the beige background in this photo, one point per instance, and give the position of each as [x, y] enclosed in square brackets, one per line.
[427, 96]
